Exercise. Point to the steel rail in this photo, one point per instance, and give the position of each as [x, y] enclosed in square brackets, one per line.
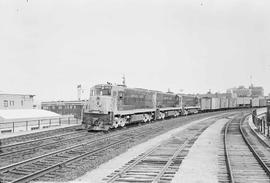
[160, 174]
[40, 173]
[256, 155]
[147, 153]
[44, 145]
[36, 140]
[227, 158]
[8, 167]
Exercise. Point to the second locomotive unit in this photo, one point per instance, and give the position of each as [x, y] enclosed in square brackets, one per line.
[112, 106]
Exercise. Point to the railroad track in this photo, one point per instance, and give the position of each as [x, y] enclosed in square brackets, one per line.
[49, 166]
[160, 163]
[243, 162]
[40, 166]
[38, 135]
[25, 150]
[23, 144]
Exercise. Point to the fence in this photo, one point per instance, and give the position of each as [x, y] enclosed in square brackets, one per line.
[260, 122]
[29, 125]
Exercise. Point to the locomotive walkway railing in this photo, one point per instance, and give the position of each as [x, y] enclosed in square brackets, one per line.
[29, 125]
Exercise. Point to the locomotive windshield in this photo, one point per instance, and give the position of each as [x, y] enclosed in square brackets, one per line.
[101, 90]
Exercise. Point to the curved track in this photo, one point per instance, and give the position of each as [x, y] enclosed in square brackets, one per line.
[55, 163]
[160, 163]
[42, 166]
[242, 161]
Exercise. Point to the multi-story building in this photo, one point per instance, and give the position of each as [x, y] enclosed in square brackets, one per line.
[256, 91]
[252, 91]
[16, 101]
[74, 108]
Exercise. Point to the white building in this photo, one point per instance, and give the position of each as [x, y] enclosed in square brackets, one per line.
[16, 101]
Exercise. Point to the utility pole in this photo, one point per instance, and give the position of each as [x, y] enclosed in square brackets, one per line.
[124, 80]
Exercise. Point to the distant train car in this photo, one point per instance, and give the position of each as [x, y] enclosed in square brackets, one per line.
[215, 103]
[255, 102]
[232, 103]
[243, 102]
[206, 103]
[112, 106]
[224, 103]
[262, 102]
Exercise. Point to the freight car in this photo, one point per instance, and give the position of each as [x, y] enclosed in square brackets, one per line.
[243, 102]
[262, 102]
[224, 103]
[255, 102]
[113, 106]
[232, 103]
[215, 104]
[206, 104]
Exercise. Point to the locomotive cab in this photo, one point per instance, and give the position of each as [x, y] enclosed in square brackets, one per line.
[100, 100]
[99, 112]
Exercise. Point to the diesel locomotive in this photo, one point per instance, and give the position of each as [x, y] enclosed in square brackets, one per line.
[113, 106]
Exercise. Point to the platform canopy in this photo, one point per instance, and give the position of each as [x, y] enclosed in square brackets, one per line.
[13, 115]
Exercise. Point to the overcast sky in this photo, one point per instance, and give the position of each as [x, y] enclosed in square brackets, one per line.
[50, 46]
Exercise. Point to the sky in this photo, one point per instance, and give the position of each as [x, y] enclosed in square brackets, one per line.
[49, 47]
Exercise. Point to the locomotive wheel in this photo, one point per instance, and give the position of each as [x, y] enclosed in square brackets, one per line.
[122, 122]
[115, 124]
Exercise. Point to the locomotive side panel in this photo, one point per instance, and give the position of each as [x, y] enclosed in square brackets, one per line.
[135, 99]
[189, 101]
[167, 100]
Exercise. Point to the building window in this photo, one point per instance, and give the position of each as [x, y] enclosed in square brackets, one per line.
[21, 102]
[5, 103]
[11, 103]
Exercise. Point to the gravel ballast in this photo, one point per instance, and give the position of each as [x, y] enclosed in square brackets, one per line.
[105, 169]
[201, 164]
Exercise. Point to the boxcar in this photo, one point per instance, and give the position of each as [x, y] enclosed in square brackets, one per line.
[205, 103]
[262, 102]
[232, 102]
[224, 103]
[215, 103]
[255, 102]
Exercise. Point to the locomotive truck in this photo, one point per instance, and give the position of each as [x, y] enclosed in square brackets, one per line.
[113, 106]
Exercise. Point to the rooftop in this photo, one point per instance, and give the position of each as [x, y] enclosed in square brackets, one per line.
[25, 114]
[10, 93]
